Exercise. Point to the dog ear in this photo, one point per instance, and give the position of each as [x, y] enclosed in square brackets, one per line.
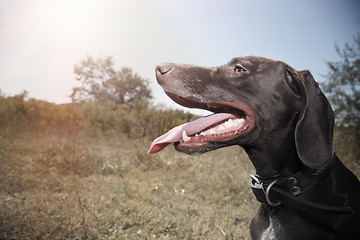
[314, 130]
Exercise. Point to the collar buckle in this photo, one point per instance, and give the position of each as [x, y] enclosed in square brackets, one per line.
[267, 193]
[262, 190]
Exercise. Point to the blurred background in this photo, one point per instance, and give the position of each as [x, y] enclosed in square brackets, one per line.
[79, 106]
[42, 40]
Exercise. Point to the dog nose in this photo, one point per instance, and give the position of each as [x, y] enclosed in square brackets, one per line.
[163, 68]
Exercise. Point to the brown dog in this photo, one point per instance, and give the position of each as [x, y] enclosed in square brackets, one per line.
[285, 124]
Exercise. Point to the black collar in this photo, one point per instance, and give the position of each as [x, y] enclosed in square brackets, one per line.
[287, 190]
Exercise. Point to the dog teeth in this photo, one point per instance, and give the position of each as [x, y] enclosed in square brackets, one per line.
[222, 127]
[185, 137]
[241, 121]
[233, 122]
[229, 123]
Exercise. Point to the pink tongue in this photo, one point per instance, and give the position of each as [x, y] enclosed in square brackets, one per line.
[191, 128]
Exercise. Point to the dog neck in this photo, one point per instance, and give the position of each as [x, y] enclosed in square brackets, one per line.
[272, 163]
[275, 152]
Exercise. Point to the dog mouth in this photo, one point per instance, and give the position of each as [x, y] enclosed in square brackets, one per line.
[229, 121]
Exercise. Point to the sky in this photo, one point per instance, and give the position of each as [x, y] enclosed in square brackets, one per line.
[42, 40]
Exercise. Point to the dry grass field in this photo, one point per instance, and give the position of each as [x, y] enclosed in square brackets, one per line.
[78, 172]
[61, 185]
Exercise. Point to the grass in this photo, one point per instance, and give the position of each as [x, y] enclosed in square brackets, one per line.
[57, 185]
[72, 185]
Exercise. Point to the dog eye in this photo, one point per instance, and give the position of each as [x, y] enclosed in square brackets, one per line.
[239, 69]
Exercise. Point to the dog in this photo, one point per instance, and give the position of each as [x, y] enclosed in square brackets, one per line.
[285, 124]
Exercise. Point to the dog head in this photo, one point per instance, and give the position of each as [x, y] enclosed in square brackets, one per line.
[257, 103]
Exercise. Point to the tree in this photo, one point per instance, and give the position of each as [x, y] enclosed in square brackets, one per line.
[343, 92]
[100, 82]
[343, 85]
